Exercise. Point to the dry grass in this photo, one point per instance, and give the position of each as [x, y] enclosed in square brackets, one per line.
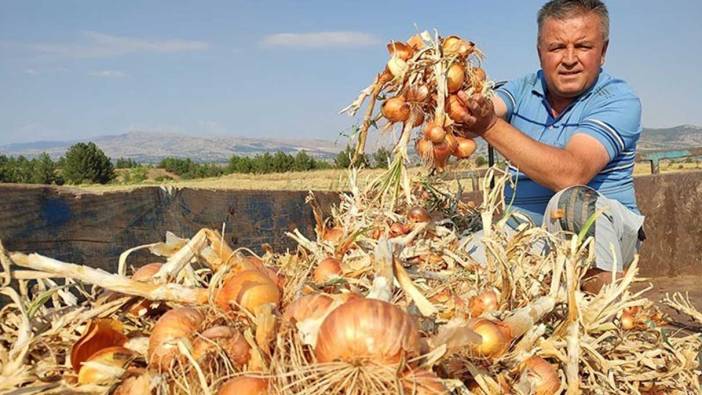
[319, 180]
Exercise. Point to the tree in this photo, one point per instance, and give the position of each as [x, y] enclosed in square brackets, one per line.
[343, 159]
[480, 161]
[44, 170]
[381, 157]
[87, 163]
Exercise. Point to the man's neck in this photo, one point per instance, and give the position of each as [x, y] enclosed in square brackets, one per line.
[558, 104]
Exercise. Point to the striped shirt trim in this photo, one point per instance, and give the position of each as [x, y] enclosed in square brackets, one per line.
[607, 129]
[510, 96]
[611, 169]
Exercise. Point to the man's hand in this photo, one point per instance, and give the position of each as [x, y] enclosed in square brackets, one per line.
[479, 116]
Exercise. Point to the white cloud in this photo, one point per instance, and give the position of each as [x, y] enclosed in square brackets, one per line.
[100, 45]
[108, 74]
[320, 40]
[31, 72]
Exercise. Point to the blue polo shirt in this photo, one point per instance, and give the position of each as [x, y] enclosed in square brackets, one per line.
[609, 111]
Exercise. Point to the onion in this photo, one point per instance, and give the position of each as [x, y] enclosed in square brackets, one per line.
[441, 153]
[398, 67]
[451, 141]
[455, 76]
[424, 148]
[485, 302]
[98, 335]
[333, 235]
[367, 329]
[179, 324]
[228, 339]
[478, 74]
[105, 365]
[416, 42]
[395, 109]
[147, 271]
[418, 117]
[544, 376]
[422, 382]
[418, 214]
[135, 385]
[417, 93]
[248, 289]
[434, 133]
[314, 306]
[454, 45]
[455, 109]
[399, 229]
[328, 269]
[464, 148]
[629, 320]
[495, 339]
[400, 50]
[244, 385]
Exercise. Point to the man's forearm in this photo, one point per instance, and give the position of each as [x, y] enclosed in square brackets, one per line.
[552, 167]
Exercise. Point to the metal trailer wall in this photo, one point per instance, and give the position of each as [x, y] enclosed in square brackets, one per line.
[94, 229]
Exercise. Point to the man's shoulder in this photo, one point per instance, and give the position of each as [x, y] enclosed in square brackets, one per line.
[609, 87]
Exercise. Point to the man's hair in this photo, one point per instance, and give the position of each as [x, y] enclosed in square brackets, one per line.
[564, 9]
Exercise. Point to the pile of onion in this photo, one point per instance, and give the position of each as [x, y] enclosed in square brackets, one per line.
[542, 376]
[248, 289]
[177, 325]
[245, 385]
[327, 269]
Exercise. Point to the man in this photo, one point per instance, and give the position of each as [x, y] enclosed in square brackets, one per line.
[569, 133]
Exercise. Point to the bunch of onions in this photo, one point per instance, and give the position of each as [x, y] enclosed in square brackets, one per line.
[542, 376]
[226, 338]
[464, 148]
[485, 302]
[455, 77]
[367, 329]
[495, 338]
[245, 385]
[177, 325]
[327, 269]
[396, 109]
[248, 290]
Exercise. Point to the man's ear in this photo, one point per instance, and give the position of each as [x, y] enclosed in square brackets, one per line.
[604, 52]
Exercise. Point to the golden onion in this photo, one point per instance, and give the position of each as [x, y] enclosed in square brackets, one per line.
[464, 148]
[418, 214]
[456, 109]
[495, 338]
[248, 289]
[99, 334]
[417, 93]
[424, 148]
[455, 77]
[333, 235]
[396, 109]
[100, 367]
[422, 382]
[400, 50]
[434, 133]
[177, 325]
[485, 302]
[454, 45]
[367, 329]
[224, 338]
[327, 269]
[244, 385]
[544, 376]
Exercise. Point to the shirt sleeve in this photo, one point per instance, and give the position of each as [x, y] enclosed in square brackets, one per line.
[615, 121]
[509, 92]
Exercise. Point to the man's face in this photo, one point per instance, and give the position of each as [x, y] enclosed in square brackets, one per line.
[571, 52]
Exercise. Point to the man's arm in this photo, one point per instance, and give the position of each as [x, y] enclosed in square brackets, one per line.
[555, 168]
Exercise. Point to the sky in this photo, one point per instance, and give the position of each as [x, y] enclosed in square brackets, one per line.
[283, 69]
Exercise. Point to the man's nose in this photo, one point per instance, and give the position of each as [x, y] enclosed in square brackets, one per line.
[570, 58]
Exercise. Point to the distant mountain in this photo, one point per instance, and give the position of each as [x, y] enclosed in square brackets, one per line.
[678, 137]
[148, 147]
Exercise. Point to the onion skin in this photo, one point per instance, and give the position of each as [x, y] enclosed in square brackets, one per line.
[248, 290]
[314, 306]
[422, 382]
[400, 49]
[441, 151]
[545, 376]
[118, 357]
[418, 214]
[424, 148]
[455, 77]
[244, 385]
[328, 269]
[396, 109]
[333, 235]
[179, 324]
[464, 148]
[98, 335]
[417, 94]
[454, 45]
[485, 302]
[367, 329]
[228, 339]
[147, 271]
